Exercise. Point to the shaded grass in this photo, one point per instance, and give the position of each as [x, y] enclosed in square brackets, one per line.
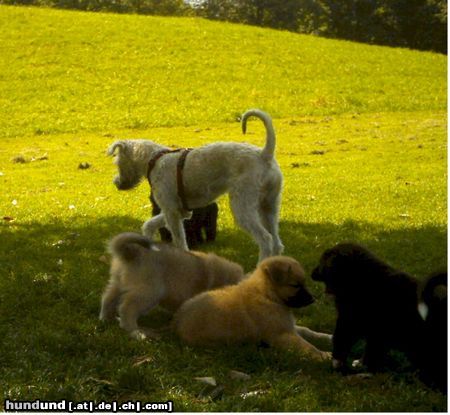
[379, 179]
[68, 71]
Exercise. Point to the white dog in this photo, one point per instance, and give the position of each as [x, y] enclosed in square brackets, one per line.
[250, 175]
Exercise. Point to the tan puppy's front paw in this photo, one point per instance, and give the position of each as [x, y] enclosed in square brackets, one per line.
[319, 355]
[145, 334]
[325, 356]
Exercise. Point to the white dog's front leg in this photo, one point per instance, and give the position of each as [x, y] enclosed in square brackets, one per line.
[152, 225]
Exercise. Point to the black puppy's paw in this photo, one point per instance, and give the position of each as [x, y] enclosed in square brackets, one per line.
[338, 365]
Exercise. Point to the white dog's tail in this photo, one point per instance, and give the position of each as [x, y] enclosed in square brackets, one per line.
[268, 151]
[128, 245]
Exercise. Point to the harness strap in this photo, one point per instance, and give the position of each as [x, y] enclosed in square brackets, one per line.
[155, 158]
[180, 166]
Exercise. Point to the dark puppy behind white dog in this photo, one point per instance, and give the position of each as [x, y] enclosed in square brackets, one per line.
[203, 221]
[145, 274]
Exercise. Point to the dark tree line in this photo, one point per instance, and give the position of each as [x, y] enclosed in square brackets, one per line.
[418, 24]
[159, 7]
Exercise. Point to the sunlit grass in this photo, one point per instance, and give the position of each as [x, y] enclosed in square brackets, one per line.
[64, 71]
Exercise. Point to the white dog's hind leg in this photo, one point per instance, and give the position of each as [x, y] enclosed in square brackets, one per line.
[269, 212]
[247, 217]
[152, 225]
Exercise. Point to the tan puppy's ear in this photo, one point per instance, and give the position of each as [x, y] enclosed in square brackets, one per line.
[267, 271]
[276, 274]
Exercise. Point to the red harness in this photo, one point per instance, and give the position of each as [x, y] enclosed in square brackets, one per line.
[180, 166]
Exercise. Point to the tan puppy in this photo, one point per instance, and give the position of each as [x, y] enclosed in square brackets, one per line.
[255, 310]
[145, 274]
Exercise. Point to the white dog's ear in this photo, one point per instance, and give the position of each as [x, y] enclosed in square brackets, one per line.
[121, 145]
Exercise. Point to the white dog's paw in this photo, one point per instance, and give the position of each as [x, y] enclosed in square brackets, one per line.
[325, 355]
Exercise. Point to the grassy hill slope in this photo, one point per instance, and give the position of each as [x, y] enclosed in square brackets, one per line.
[71, 71]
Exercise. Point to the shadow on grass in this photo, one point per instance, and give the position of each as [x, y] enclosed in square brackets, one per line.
[38, 243]
[72, 254]
[52, 276]
[418, 250]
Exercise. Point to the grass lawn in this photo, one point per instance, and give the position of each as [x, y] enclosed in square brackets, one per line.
[73, 71]
[362, 143]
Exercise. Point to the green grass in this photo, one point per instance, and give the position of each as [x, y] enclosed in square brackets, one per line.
[358, 163]
[72, 71]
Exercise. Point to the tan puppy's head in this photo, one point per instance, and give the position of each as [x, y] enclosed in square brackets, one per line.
[287, 279]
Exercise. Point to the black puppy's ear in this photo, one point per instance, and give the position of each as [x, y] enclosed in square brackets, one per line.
[316, 274]
[440, 292]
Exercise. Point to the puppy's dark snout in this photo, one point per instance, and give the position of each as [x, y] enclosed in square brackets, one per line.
[315, 275]
[302, 299]
[308, 298]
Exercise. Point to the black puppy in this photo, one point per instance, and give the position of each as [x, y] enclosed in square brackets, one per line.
[374, 302]
[202, 219]
[433, 309]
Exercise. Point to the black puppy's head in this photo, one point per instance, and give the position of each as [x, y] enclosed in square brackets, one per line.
[340, 266]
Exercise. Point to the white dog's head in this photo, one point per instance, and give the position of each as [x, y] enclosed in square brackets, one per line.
[132, 157]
